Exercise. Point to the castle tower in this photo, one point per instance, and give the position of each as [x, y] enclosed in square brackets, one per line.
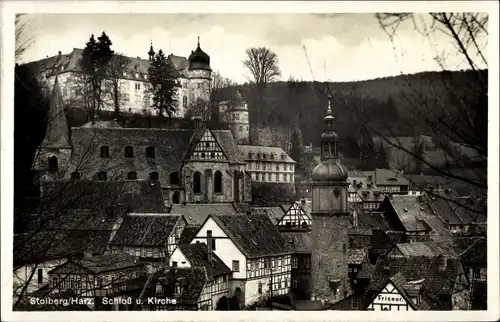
[53, 155]
[330, 220]
[151, 52]
[238, 119]
[199, 74]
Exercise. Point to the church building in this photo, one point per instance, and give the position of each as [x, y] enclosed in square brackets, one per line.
[199, 165]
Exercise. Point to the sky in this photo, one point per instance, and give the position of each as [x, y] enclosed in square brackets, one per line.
[321, 47]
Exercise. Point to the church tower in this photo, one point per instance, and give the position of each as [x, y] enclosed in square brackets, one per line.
[53, 155]
[330, 220]
[199, 74]
[151, 52]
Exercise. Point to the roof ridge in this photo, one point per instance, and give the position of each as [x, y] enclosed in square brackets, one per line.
[470, 246]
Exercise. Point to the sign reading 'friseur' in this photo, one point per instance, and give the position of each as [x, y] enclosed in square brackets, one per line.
[389, 299]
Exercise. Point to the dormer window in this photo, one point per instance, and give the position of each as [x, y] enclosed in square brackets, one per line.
[250, 155]
[129, 152]
[153, 176]
[283, 157]
[259, 155]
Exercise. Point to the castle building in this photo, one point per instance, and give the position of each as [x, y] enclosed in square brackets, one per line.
[193, 79]
[199, 165]
[235, 113]
[330, 220]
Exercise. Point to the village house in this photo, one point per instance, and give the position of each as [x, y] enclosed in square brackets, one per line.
[255, 251]
[268, 164]
[148, 236]
[92, 278]
[388, 182]
[216, 296]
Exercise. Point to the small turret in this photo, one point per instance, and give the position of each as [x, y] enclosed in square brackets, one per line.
[151, 52]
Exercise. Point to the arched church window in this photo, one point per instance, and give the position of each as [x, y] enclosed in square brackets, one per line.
[174, 178]
[75, 175]
[197, 182]
[53, 164]
[218, 182]
[185, 101]
[176, 197]
[177, 288]
[132, 175]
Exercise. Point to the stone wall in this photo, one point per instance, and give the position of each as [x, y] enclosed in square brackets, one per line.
[329, 257]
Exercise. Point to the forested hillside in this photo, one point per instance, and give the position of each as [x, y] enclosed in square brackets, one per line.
[387, 105]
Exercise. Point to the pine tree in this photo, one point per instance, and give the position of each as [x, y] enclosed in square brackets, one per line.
[382, 161]
[95, 57]
[163, 85]
[367, 148]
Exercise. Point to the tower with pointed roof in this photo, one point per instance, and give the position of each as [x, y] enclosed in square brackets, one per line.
[199, 74]
[237, 117]
[53, 155]
[330, 219]
[151, 52]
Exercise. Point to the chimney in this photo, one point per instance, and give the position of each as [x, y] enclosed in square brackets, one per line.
[209, 246]
[59, 53]
[443, 262]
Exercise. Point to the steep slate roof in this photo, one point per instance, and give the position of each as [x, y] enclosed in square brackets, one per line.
[192, 281]
[57, 134]
[188, 234]
[415, 268]
[102, 196]
[471, 250]
[426, 249]
[386, 177]
[373, 220]
[145, 229]
[197, 213]
[274, 213]
[409, 211]
[245, 149]
[254, 235]
[450, 207]
[69, 63]
[197, 255]
[106, 263]
[299, 241]
[170, 145]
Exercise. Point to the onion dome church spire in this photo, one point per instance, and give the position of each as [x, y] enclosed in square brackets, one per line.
[329, 169]
[199, 59]
[151, 52]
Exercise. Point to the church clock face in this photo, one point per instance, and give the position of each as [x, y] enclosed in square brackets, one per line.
[336, 191]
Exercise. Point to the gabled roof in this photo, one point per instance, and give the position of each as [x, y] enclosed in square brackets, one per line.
[387, 177]
[275, 213]
[105, 263]
[169, 144]
[191, 280]
[57, 132]
[197, 255]
[145, 229]
[299, 241]
[188, 234]
[254, 235]
[457, 211]
[372, 220]
[414, 268]
[427, 249]
[471, 250]
[197, 213]
[410, 211]
[102, 196]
